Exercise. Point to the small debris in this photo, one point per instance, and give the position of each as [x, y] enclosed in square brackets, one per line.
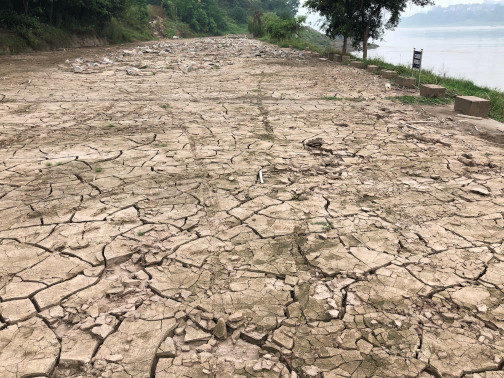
[132, 71]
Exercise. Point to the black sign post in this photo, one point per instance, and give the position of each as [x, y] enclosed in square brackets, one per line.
[417, 63]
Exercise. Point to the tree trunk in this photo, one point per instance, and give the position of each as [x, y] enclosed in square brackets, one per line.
[345, 43]
[365, 37]
[25, 5]
[51, 12]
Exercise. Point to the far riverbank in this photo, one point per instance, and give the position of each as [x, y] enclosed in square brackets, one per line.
[475, 53]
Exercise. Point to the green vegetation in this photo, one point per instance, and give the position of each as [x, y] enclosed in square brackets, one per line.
[274, 27]
[191, 18]
[98, 170]
[454, 87]
[361, 19]
[415, 100]
[140, 233]
[48, 164]
[332, 98]
[48, 23]
[327, 226]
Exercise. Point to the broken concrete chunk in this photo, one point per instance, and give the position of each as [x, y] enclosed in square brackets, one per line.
[220, 330]
[193, 334]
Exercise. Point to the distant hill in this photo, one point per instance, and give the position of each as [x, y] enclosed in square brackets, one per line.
[487, 14]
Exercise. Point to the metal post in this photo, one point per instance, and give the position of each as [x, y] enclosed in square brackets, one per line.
[420, 69]
[413, 64]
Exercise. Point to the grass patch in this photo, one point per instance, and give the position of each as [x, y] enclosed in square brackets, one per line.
[454, 87]
[327, 226]
[48, 164]
[140, 233]
[414, 100]
[98, 170]
[351, 99]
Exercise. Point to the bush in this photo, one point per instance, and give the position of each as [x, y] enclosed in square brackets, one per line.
[277, 28]
[256, 26]
[280, 29]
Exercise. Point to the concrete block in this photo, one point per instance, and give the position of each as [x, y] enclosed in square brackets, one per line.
[432, 90]
[331, 56]
[372, 68]
[408, 82]
[345, 58]
[473, 106]
[357, 64]
[387, 74]
[338, 58]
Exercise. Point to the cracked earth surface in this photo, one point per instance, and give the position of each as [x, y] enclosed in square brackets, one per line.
[136, 239]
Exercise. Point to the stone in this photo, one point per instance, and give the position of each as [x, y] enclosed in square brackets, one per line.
[372, 68]
[345, 58]
[102, 331]
[478, 190]
[167, 349]
[282, 338]
[356, 64]
[235, 317]
[311, 371]
[472, 106]
[220, 330]
[114, 358]
[406, 82]
[387, 74]
[132, 71]
[338, 58]
[193, 334]
[432, 90]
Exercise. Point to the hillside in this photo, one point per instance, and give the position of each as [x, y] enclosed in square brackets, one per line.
[49, 24]
[458, 15]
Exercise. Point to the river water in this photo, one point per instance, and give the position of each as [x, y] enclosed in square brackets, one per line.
[475, 53]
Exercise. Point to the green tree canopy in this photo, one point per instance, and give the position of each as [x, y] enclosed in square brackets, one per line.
[361, 19]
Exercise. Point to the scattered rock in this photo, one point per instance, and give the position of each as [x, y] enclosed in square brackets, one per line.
[220, 330]
[132, 71]
[102, 331]
[192, 334]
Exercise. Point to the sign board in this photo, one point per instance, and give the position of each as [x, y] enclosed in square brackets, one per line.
[417, 63]
[417, 59]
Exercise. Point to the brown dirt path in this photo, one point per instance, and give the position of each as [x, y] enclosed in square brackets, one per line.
[136, 239]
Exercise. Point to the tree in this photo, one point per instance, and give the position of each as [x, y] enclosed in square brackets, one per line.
[361, 19]
[339, 17]
[25, 6]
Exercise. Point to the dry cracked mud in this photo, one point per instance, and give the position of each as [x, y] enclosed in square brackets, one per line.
[137, 239]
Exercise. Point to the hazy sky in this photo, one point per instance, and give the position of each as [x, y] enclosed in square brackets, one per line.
[313, 19]
[444, 3]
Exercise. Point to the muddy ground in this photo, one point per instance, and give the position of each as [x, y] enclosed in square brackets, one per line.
[137, 239]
